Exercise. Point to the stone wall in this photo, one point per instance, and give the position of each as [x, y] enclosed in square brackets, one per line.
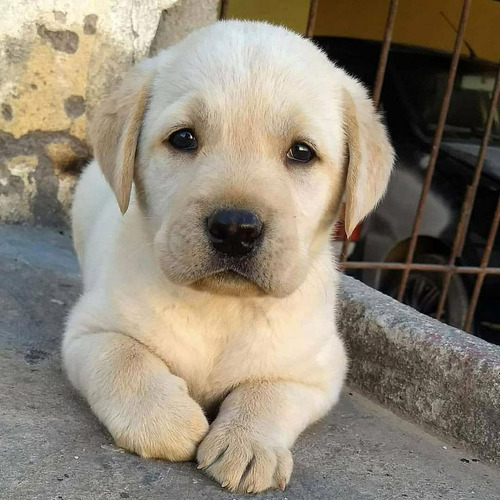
[57, 61]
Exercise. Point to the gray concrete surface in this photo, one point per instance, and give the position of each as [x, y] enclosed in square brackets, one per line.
[51, 447]
[434, 374]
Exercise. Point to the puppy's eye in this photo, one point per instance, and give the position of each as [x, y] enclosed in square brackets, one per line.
[301, 152]
[183, 139]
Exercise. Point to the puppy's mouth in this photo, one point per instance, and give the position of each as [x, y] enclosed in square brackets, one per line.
[231, 275]
[229, 282]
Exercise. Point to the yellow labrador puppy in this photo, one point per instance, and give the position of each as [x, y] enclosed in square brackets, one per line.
[203, 233]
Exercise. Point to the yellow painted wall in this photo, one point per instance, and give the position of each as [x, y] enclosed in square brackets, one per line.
[418, 22]
[290, 13]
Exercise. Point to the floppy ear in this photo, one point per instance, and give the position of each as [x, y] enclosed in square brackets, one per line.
[115, 132]
[370, 154]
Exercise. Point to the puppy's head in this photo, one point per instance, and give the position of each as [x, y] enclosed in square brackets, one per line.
[240, 142]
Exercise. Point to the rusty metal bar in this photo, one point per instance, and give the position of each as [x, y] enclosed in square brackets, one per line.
[484, 262]
[343, 253]
[484, 144]
[384, 53]
[401, 266]
[435, 146]
[459, 236]
[377, 88]
[470, 197]
[224, 4]
[311, 18]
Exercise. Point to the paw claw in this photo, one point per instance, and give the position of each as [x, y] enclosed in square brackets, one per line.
[243, 462]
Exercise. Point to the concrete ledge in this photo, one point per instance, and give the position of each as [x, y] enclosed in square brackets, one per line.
[432, 373]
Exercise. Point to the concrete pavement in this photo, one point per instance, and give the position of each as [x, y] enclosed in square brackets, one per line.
[51, 447]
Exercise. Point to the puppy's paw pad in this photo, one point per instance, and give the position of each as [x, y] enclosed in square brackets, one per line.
[244, 464]
[166, 434]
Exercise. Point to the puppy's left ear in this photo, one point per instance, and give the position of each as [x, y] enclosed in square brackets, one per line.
[371, 156]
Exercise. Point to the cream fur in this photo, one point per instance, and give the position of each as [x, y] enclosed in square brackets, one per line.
[156, 342]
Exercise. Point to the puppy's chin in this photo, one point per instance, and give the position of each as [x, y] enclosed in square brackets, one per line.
[229, 283]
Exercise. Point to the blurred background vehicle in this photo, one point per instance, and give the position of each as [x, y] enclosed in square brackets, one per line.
[413, 90]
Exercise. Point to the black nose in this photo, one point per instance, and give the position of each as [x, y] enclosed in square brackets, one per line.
[234, 232]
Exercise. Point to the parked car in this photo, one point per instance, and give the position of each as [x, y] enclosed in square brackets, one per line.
[411, 98]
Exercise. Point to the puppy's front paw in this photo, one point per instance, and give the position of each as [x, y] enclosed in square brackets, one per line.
[170, 430]
[244, 462]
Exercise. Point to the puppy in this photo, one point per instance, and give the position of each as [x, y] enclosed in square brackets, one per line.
[203, 233]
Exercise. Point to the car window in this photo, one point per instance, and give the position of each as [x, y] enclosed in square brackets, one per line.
[469, 103]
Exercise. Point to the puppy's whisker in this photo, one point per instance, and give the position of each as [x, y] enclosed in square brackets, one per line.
[138, 251]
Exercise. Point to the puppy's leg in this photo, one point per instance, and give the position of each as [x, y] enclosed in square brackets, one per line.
[146, 409]
[247, 447]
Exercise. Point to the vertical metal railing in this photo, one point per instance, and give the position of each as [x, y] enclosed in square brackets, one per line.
[311, 18]
[379, 82]
[484, 264]
[224, 4]
[470, 197]
[436, 144]
[384, 53]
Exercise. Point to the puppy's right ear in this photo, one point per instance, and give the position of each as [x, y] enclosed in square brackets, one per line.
[115, 131]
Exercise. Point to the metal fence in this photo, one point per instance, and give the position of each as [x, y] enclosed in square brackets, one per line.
[452, 267]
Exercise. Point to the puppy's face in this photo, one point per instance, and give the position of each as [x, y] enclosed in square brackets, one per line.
[237, 141]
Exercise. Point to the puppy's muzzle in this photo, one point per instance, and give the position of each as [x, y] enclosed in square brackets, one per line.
[234, 232]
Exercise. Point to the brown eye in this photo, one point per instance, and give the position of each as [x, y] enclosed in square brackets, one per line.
[183, 139]
[300, 152]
